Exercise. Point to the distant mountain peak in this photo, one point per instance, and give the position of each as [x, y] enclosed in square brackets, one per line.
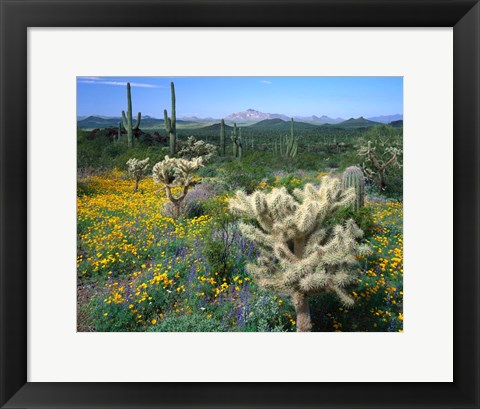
[252, 115]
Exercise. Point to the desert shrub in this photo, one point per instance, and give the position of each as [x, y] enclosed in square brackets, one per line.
[207, 172]
[290, 182]
[219, 242]
[363, 218]
[267, 313]
[241, 175]
[195, 322]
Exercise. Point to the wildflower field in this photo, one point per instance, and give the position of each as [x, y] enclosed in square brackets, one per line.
[139, 269]
[273, 223]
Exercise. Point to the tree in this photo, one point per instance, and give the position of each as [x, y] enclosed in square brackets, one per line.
[300, 254]
[172, 173]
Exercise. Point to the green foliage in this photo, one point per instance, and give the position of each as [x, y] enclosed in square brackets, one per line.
[218, 245]
[290, 182]
[363, 217]
[268, 313]
[244, 175]
[195, 322]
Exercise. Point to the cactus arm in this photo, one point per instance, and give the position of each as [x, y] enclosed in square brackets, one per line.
[124, 120]
[137, 124]
[168, 124]
[390, 161]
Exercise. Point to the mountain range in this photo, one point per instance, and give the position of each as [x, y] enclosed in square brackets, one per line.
[247, 117]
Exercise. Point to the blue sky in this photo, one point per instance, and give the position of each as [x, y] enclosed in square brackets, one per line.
[218, 97]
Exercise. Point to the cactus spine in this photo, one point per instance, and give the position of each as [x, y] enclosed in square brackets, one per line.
[171, 123]
[222, 138]
[127, 119]
[353, 177]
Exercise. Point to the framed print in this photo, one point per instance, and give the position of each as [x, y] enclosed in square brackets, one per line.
[188, 186]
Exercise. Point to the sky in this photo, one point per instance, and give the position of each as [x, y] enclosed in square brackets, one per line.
[217, 97]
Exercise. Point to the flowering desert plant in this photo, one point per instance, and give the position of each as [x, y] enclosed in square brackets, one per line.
[137, 169]
[300, 254]
[176, 173]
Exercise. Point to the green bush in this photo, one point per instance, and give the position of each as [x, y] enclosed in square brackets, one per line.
[363, 217]
[241, 175]
[188, 323]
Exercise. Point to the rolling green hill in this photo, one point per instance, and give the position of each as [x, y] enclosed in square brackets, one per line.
[356, 123]
[281, 125]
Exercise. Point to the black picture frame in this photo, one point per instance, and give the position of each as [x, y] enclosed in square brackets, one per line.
[17, 15]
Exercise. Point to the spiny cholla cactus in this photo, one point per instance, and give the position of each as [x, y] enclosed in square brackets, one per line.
[197, 149]
[300, 254]
[353, 177]
[176, 173]
[379, 161]
[137, 170]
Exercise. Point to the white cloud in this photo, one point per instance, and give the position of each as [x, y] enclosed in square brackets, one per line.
[266, 82]
[97, 80]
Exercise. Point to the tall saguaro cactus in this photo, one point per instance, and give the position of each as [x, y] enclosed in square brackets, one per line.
[353, 177]
[171, 123]
[237, 142]
[222, 138]
[288, 145]
[300, 253]
[127, 119]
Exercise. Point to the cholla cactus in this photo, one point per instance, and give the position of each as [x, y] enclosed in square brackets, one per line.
[300, 254]
[176, 173]
[380, 162]
[197, 149]
[137, 170]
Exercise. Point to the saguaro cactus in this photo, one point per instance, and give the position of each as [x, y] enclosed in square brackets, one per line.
[353, 177]
[119, 132]
[137, 169]
[288, 145]
[171, 123]
[237, 142]
[127, 119]
[300, 255]
[222, 138]
[173, 173]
